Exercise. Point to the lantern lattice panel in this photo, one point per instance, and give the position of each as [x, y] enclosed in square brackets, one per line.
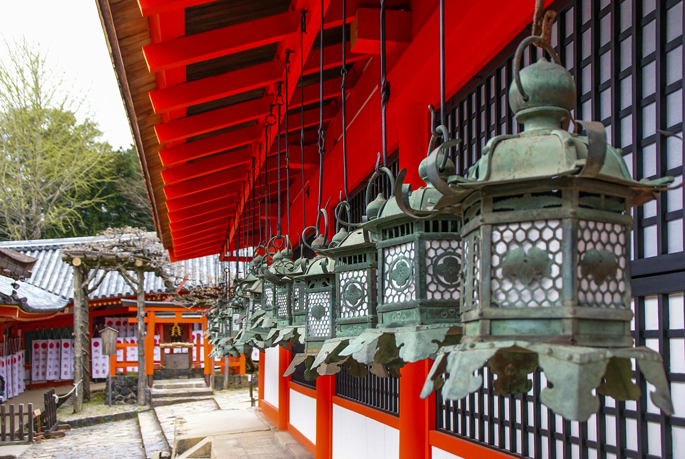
[319, 305]
[443, 263]
[472, 255]
[268, 296]
[354, 301]
[606, 242]
[543, 235]
[400, 278]
[282, 302]
[296, 298]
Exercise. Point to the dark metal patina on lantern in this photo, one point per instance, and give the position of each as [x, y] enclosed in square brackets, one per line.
[546, 257]
[277, 297]
[419, 253]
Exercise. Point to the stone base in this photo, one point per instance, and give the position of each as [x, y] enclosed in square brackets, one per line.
[188, 373]
[125, 391]
[234, 381]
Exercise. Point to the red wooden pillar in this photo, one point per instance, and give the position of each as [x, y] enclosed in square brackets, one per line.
[416, 415]
[284, 357]
[414, 135]
[325, 390]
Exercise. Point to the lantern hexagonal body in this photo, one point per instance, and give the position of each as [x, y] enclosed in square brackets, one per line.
[320, 299]
[356, 271]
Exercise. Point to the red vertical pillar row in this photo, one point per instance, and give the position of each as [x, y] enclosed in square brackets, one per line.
[414, 134]
[284, 357]
[416, 414]
[325, 390]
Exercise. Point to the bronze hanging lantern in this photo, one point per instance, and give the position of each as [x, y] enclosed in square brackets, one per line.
[546, 256]
[419, 255]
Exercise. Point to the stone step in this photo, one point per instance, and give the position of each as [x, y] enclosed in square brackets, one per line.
[174, 400]
[178, 383]
[198, 391]
[202, 449]
[154, 440]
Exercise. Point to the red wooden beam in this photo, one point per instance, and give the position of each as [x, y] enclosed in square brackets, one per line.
[210, 121]
[207, 182]
[204, 220]
[311, 118]
[220, 224]
[180, 154]
[196, 199]
[152, 7]
[201, 234]
[211, 239]
[365, 31]
[202, 209]
[211, 245]
[220, 42]
[331, 58]
[216, 87]
[205, 166]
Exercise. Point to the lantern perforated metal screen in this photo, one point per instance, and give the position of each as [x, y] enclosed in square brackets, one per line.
[546, 258]
[319, 297]
[297, 302]
[356, 284]
[420, 263]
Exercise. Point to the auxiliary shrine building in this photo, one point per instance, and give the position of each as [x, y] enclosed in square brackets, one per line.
[246, 126]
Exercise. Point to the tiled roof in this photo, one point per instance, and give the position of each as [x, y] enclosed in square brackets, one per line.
[54, 276]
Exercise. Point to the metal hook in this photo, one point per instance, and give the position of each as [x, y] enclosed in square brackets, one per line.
[434, 131]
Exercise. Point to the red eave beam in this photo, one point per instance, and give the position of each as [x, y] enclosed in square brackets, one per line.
[152, 7]
[221, 229]
[206, 182]
[198, 211]
[193, 200]
[220, 224]
[180, 154]
[220, 42]
[204, 221]
[205, 166]
[216, 87]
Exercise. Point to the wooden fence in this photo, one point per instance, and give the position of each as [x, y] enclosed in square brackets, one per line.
[16, 426]
[50, 413]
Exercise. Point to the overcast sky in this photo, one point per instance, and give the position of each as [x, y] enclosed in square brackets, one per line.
[71, 32]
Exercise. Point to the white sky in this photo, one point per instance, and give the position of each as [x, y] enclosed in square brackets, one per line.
[71, 33]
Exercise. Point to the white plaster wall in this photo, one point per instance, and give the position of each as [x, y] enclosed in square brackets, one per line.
[358, 437]
[440, 454]
[271, 376]
[303, 414]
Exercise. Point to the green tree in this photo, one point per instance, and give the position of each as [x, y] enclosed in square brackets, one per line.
[52, 167]
[121, 200]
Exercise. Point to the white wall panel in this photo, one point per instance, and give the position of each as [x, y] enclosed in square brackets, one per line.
[437, 453]
[271, 376]
[357, 437]
[303, 414]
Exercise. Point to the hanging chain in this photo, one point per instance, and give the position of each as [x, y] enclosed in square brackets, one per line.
[287, 147]
[442, 63]
[322, 132]
[385, 89]
[279, 103]
[343, 72]
[254, 180]
[303, 30]
[246, 226]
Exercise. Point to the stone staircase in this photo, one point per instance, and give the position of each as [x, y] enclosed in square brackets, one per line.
[170, 391]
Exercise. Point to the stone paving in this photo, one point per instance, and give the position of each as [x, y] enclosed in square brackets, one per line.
[117, 440]
[123, 440]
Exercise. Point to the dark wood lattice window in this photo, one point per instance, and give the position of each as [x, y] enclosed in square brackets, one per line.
[627, 61]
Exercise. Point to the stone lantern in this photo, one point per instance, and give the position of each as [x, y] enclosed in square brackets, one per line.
[546, 253]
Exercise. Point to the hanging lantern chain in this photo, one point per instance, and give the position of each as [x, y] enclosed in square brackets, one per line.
[259, 199]
[270, 121]
[279, 103]
[343, 72]
[385, 89]
[287, 147]
[322, 132]
[303, 30]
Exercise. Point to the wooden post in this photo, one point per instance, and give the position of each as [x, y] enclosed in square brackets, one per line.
[226, 365]
[284, 359]
[325, 390]
[150, 347]
[78, 332]
[416, 415]
[112, 372]
[142, 376]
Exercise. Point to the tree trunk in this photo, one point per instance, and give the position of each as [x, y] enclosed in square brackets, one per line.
[85, 342]
[142, 377]
[78, 343]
